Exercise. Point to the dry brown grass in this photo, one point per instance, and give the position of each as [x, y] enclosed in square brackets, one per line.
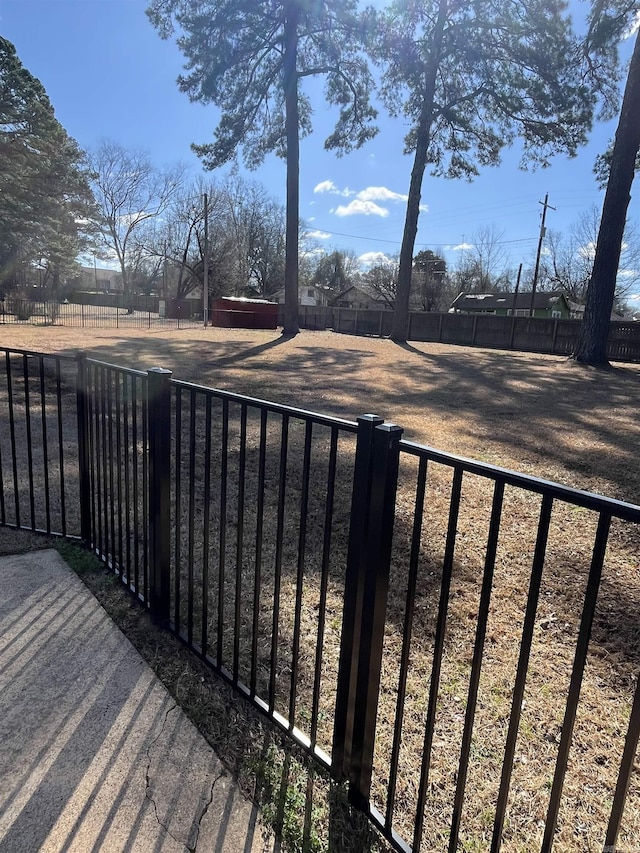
[541, 415]
[535, 413]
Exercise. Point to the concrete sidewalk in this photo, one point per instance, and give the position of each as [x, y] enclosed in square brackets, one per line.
[94, 753]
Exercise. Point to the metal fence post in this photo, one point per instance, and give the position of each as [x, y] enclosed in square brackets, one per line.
[84, 464]
[382, 505]
[352, 605]
[159, 432]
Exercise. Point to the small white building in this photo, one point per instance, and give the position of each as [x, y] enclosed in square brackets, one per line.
[95, 278]
[308, 294]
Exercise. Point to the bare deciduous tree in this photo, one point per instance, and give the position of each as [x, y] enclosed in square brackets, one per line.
[483, 266]
[382, 279]
[567, 263]
[129, 191]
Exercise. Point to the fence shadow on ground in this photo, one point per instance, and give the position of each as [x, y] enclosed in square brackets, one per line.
[494, 401]
[305, 809]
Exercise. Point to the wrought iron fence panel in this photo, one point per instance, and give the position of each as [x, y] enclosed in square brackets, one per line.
[477, 702]
[260, 505]
[424, 625]
[21, 311]
[38, 436]
[117, 461]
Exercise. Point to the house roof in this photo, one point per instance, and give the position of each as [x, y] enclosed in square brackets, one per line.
[321, 290]
[251, 301]
[354, 289]
[494, 301]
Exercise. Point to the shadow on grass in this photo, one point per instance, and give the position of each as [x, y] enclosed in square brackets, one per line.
[520, 404]
[547, 414]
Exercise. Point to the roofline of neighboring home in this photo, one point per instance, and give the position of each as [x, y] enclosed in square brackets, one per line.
[509, 300]
[314, 286]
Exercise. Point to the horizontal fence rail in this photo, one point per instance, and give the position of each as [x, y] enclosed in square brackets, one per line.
[425, 626]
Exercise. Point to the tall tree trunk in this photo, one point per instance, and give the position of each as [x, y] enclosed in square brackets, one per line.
[400, 323]
[291, 326]
[591, 347]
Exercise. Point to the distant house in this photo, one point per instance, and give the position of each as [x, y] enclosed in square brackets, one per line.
[96, 279]
[357, 297]
[308, 294]
[577, 313]
[552, 303]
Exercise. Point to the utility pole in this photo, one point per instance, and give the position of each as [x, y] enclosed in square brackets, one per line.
[205, 263]
[545, 204]
[515, 297]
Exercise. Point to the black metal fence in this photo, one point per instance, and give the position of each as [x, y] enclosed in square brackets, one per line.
[38, 442]
[347, 582]
[117, 316]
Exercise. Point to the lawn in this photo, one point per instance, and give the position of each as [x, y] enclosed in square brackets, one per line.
[537, 414]
[541, 415]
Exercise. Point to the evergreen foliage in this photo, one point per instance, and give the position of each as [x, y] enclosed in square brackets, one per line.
[46, 205]
[248, 57]
[472, 78]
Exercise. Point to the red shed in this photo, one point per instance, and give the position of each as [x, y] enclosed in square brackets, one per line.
[231, 312]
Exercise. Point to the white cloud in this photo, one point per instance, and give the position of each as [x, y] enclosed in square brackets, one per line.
[330, 187]
[367, 208]
[367, 196]
[588, 251]
[461, 247]
[326, 187]
[635, 297]
[318, 235]
[380, 194]
[384, 194]
[370, 259]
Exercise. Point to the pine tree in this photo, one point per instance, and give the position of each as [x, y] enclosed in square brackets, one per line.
[248, 57]
[46, 205]
[472, 78]
[591, 347]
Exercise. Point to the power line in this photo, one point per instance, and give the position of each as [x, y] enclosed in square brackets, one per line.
[423, 245]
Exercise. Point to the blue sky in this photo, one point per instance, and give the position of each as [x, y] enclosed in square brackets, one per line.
[109, 75]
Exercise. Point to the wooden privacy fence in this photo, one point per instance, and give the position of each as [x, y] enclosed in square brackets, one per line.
[529, 334]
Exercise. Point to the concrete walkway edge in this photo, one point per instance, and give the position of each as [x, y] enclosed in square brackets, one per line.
[96, 755]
